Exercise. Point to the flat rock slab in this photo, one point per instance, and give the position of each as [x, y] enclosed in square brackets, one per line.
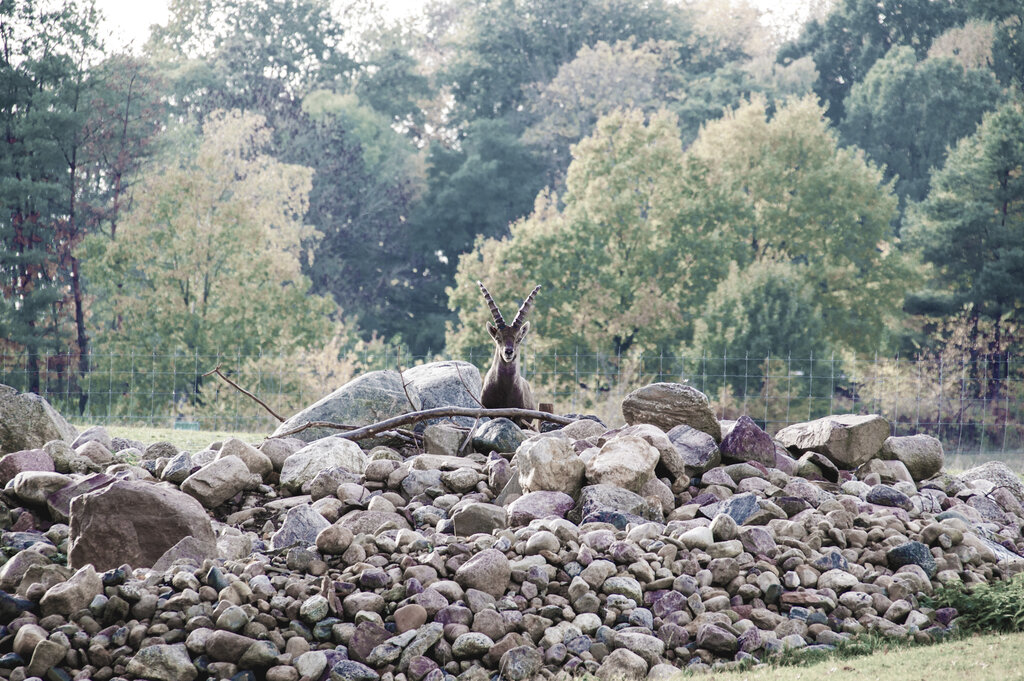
[668, 405]
[848, 440]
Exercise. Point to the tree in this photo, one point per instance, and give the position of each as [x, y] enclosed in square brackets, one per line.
[597, 81]
[506, 45]
[42, 82]
[768, 309]
[971, 226]
[794, 195]
[473, 191]
[369, 257]
[252, 55]
[646, 232]
[905, 114]
[622, 264]
[857, 33]
[209, 258]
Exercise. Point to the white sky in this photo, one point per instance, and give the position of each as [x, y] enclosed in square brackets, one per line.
[128, 21]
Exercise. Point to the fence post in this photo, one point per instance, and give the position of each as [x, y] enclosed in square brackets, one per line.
[810, 385]
[832, 387]
[896, 400]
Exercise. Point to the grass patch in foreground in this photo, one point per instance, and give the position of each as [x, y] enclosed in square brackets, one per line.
[188, 440]
[992, 656]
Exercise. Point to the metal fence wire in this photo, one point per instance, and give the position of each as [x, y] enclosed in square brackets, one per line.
[973, 403]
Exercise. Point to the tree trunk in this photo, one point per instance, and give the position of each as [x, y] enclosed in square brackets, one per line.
[82, 337]
[32, 365]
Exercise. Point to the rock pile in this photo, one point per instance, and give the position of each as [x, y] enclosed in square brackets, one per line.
[675, 541]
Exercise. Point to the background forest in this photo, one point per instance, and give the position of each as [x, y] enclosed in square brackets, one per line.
[301, 182]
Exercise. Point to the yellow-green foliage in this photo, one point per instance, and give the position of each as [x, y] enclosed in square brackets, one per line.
[646, 231]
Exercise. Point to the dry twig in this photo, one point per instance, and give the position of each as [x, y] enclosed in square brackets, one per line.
[216, 370]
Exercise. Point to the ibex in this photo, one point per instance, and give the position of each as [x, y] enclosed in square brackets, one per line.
[503, 386]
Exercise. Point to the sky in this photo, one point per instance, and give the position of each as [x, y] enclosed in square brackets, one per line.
[128, 21]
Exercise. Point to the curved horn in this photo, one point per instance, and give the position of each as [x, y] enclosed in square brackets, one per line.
[524, 309]
[495, 312]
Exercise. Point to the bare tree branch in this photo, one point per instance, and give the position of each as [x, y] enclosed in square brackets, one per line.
[216, 370]
[437, 412]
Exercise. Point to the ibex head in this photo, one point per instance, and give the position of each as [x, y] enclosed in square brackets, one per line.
[508, 338]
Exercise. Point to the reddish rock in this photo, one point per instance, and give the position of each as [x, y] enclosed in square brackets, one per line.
[133, 522]
[25, 460]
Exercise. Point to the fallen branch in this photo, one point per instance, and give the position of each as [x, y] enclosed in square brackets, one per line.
[437, 412]
[216, 370]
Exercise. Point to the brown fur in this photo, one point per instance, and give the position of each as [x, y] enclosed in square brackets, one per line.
[503, 387]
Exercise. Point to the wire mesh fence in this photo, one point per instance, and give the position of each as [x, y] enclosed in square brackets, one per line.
[974, 403]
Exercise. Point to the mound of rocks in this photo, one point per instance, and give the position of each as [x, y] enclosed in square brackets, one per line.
[627, 553]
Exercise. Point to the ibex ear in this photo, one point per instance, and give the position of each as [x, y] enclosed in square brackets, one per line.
[493, 330]
[523, 330]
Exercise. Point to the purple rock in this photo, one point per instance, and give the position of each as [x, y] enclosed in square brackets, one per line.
[672, 601]
[673, 635]
[697, 450]
[556, 654]
[945, 615]
[717, 476]
[758, 541]
[792, 505]
[784, 462]
[365, 638]
[499, 472]
[59, 502]
[454, 614]
[750, 640]
[541, 504]
[420, 666]
[625, 552]
[25, 460]
[884, 495]
[705, 498]
[374, 579]
[413, 586]
[747, 442]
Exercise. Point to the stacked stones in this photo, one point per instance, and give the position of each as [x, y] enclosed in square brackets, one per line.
[676, 541]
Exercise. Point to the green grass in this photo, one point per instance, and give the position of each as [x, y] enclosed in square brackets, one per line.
[189, 440]
[992, 656]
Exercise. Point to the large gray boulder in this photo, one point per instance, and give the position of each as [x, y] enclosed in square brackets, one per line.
[999, 474]
[217, 481]
[921, 454]
[27, 421]
[668, 405]
[133, 522]
[445, 384]
[380, 395]
[626, 461]
[324, 454]
[365, 399]
[549, 463]
[848, 440]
